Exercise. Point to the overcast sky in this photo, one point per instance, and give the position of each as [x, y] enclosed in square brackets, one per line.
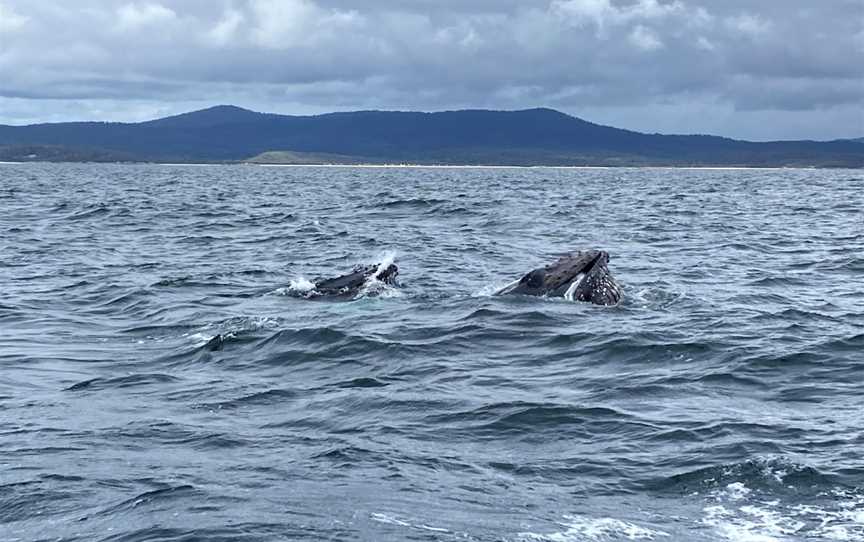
[759, 69]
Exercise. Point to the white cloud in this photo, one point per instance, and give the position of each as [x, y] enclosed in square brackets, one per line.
[652, 9]
[700, 17]
[286, 24]
[705, 44]
[603, 13]
[585, 12]
[10, 21]
[749, 24]
[134, 16]
[463, 35]
[225, 31]
[645, 39]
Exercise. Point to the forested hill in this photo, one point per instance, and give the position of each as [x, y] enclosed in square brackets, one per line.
[527, 137]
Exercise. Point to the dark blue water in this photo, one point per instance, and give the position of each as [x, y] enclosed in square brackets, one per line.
[723, 400]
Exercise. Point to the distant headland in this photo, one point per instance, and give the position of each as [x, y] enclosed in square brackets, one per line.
[531, 137]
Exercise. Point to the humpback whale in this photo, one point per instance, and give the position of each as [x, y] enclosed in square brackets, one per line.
[578, 276]
[351, 284]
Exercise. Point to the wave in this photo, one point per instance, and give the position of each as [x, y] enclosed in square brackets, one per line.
[508, 419]
[93, 211]
[163, 433]
[149, 499]
[261, 398]
[773, 475]
[772, 499]
[33, 499]
[129, 381]
[591, 529]
[213, 280]
[409, 203]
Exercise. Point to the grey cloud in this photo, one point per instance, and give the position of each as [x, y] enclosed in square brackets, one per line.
[793, 94]
[582, 56]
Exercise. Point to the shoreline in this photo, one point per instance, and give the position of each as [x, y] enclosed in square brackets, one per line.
[447, 166]
[439, 166]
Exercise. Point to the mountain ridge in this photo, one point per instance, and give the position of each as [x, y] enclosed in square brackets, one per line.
[536, 136]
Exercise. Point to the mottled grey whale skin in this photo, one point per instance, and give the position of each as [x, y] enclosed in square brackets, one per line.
[578, 276]
[349, 285]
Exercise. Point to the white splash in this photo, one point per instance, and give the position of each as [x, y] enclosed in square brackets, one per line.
[750, 523]
[301, 285]
[737, 491]
[386, 258]
[373, 285]
[492, 289]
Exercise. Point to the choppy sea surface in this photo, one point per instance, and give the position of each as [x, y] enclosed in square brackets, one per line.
[722, 400]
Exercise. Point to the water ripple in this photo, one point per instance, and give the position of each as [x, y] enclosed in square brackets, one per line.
[156, 386]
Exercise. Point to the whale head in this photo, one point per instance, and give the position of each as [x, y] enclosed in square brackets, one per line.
[386, 273]
[350, 284]
[578, 276]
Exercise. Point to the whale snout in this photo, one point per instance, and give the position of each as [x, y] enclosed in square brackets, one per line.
[388, 274]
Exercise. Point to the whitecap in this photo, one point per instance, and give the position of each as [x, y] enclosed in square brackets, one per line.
[736, 515]
[583, 528]
[390, 520]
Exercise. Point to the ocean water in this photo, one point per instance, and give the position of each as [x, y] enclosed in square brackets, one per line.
[722, 400]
